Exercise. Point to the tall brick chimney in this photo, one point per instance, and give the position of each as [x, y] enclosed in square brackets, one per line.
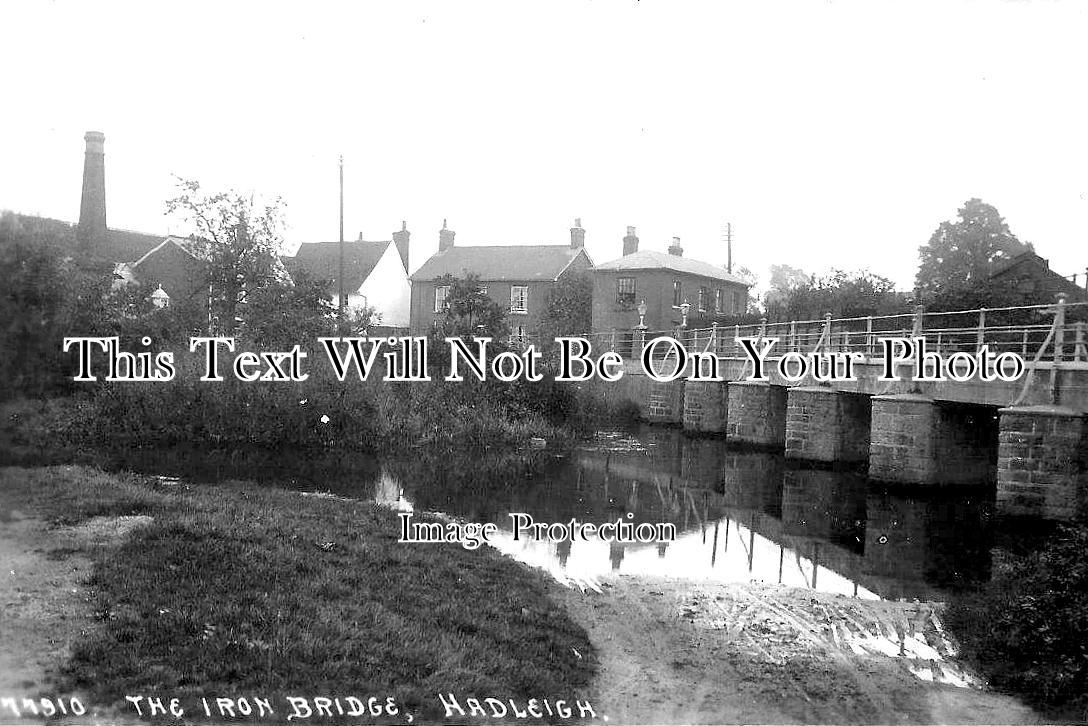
[400, 239]
[577, 235]
[675, 248]
[445, 237]
[630, 242]
[91, 232]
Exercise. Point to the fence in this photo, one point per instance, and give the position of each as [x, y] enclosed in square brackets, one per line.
[1038, 333]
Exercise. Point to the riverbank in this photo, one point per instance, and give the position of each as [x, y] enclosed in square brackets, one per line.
[157, 586]
[676, 652]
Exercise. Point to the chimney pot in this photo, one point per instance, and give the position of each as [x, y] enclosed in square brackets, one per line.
[445, 237]
[630, 242]
[577, 235]
[675, 248]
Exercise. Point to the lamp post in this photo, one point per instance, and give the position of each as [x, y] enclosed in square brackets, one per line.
[641, 327]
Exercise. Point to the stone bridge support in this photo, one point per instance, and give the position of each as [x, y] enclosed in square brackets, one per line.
[666, 402]
[916, 440]
[1041, 462]
[706, 406]
[823, 424]
[757, 413]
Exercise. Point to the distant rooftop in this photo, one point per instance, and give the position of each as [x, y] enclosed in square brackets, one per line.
[517, 263]
[651, 260]
[322, 260]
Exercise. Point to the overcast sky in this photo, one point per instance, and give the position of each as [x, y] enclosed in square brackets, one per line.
[831, 134]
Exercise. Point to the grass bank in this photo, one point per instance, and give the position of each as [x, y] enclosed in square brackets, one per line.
[320, 412]
[242, 590]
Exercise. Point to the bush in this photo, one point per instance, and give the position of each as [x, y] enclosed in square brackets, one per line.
[1027, 630]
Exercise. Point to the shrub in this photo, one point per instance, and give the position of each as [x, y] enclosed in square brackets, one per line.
[1027, 630]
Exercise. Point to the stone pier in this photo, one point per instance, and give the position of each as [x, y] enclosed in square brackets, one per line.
[823, 424]
[666, 402]
[916, 440]
[706, 405]
[757, 413]
[1041, 462]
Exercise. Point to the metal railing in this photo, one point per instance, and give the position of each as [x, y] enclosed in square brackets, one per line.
[1038, 333]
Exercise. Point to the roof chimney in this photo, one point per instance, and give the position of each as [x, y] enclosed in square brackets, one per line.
[400, 239]
[630, 242]
[445, 237]
[577, 235]
[91, 232]
[675, 248]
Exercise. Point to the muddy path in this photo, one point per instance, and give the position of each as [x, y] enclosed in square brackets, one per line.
[44, 602]
[674, 652]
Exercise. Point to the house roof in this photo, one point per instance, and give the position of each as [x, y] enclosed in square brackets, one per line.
[651, 260]
[186, 244]
[123, 245]
[322, 260]
[519, 263]
[120, 245]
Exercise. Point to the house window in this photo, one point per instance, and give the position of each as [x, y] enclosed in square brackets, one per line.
[719, 301]
[519, 337]
[519, 299]
[440, 294]
[704, 293]
[677, 294]
[625, 291]
[740, 302]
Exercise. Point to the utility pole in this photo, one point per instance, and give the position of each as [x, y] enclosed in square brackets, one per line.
[729, 246]
[340, 277]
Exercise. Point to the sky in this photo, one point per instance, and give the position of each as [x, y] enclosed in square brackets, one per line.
[829, 134]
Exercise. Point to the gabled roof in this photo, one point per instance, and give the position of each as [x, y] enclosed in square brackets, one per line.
[519, 263]
[187, 245]
[1007, 263]
[322, 260]
[651, 260]
[123, 245]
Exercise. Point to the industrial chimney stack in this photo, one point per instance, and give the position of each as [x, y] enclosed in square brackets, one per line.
[91, 232]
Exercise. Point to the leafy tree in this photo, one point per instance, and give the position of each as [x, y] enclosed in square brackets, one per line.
[844, 294]
[45, 297]
[284, 312]
[238, 238]
[470, 311]
[957, 261]
[784, 281]
[568, 307]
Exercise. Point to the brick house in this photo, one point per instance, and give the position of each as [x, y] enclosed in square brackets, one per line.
[1029, 277]
[518, 277]
[664, 282]
[375, 273]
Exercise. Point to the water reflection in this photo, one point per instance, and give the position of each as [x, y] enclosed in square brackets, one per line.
[740, 515]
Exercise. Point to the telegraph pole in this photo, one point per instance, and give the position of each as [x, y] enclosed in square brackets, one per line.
[729, 246]
[340, 277]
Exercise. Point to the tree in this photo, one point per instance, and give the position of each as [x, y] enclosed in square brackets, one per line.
[844, 294]
[284, 312]
[957, 261]
[784, 281]
[470, 312]
[238, 238]
[568, 308]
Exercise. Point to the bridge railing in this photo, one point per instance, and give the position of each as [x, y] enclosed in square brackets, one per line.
[1057, 332]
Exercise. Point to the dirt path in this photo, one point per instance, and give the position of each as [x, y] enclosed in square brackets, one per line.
[44, 604]
[673, 652]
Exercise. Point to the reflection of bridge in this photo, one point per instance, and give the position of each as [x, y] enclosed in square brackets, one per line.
[1033, 429]
[792, 523]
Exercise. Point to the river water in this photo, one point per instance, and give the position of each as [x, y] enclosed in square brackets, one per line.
[740, 515]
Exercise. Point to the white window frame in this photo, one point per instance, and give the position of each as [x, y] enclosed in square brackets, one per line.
[441, 295]
[523, 299]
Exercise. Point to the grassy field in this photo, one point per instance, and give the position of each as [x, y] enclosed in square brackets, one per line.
[244, 590]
